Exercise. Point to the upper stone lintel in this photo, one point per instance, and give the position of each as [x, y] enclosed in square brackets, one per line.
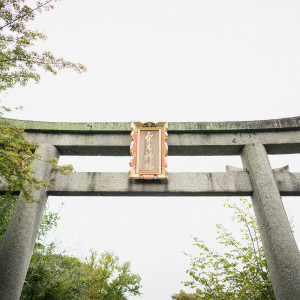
[180, 127]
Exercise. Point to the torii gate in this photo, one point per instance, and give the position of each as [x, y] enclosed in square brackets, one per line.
[253, 140]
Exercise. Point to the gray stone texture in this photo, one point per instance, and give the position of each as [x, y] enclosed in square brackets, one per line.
[281, 251]
[110, 127]
[179, 144]
[17, 246]
[234, 182]
[178, 184]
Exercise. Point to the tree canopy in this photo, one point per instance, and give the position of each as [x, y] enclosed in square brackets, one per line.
[241, 272]
[58, 276]
[19, 62]
[185, 296]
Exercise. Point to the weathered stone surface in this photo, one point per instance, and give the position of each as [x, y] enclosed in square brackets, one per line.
[285, 169]
[17, 246]
[233, 183]
[236, 126]
[280, 247]
[178, 184]
[233, 169]
[280, 136]
[179, 144]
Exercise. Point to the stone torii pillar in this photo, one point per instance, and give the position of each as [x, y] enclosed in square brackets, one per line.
[19, 240]
[280, 247]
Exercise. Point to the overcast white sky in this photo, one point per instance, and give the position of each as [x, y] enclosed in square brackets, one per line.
[169, 61]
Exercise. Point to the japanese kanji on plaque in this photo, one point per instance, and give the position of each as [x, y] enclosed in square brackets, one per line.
[148, 150]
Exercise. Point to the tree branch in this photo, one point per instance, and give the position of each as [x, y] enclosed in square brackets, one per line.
[20, 17]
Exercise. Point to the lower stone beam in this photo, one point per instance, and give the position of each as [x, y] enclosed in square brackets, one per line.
[178, 184]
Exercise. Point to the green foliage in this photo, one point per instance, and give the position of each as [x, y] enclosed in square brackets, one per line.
[185, 296]
[50, 276]
[48, 222]
[16, 157]
[57, 276]
[242, 272]
[7, 204]
[107, 279]
[18, 61]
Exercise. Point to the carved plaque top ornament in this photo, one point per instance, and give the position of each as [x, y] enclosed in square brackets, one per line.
[148, 150]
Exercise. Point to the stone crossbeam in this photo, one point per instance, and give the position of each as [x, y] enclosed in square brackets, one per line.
[280, 136]
[179, 144]
[118, 127]
[178, 184]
